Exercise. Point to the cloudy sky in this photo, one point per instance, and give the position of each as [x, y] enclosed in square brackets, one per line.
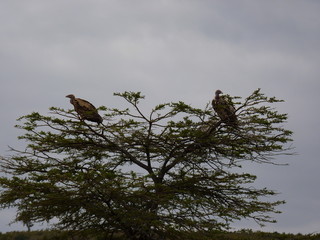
[171, 50]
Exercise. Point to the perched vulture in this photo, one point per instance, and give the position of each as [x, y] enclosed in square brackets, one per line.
[225, 109]
[85, 109]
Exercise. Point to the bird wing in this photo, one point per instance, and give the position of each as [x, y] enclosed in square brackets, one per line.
[228, 105]
[223, 107]
[85, 105]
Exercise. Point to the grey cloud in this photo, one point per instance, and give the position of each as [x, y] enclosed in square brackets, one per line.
[171, 51]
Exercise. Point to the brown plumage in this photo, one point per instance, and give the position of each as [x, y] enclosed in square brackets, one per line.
[85, 109]
[225, 109]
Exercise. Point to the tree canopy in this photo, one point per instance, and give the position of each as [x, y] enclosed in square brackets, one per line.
[165, 174]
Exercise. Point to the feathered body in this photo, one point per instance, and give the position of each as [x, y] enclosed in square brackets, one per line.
[85, 109]
[225, 109]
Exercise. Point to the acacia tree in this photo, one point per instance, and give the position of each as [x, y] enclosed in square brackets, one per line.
[167, 174]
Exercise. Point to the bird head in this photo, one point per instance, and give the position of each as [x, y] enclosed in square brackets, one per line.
[218, 92]
[71, 96]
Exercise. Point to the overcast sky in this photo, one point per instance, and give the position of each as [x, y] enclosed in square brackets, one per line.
[171, 50]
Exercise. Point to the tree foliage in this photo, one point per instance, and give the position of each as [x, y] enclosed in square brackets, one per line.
[169, 173]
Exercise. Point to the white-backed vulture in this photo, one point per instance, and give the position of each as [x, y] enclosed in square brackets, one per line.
[225, 109]
[85, 110]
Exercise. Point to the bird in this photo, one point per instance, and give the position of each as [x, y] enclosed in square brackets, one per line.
[85, 109]
[225, 109]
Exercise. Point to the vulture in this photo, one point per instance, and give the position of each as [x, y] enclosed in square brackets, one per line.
[225, 109]
[85, 109]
